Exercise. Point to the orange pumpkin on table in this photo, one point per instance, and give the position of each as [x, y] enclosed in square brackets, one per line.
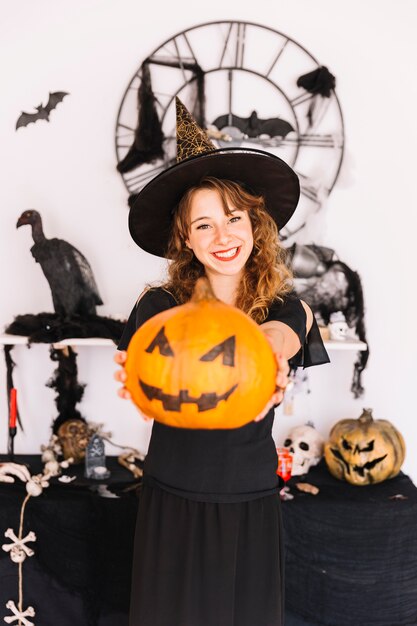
[203, 364]
[364, 451]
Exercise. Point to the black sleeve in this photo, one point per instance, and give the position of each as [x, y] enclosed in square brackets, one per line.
[152, 302]
[292, 313]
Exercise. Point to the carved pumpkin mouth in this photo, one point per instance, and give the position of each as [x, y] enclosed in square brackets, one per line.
[359, 469]
[204, 402]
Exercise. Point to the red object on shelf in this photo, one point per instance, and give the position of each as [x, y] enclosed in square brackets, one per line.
[284, 463]
[13, 408]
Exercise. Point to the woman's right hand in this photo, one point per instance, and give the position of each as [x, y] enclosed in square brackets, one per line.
[121, 376]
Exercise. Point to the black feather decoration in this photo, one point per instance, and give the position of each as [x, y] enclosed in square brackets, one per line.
[319, 81]
[65, 382]
[51, 328]
[147, 145]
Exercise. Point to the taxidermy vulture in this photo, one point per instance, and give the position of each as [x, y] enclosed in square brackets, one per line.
[73, 288]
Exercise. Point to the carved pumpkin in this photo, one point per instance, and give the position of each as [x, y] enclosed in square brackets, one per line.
[364, 451]
[203, 364]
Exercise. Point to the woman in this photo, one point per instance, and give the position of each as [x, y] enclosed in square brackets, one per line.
[208, 538]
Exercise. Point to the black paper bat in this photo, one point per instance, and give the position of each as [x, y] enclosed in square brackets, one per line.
[253, 126]
[42, 111]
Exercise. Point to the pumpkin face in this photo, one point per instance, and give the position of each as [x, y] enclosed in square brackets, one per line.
[203, 364]
[364, 451]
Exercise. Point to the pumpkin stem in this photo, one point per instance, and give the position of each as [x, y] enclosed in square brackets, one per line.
[202, 290]
[366, 417]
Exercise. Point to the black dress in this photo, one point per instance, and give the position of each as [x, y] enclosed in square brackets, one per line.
[208, 542]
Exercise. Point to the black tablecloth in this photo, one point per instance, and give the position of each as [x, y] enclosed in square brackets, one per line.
[351, 553]
[80, 573]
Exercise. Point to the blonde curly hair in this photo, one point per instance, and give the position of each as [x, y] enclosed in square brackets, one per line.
[266, 275]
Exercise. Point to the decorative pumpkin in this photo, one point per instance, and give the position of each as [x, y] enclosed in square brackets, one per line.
[203, 364]
[364, 451]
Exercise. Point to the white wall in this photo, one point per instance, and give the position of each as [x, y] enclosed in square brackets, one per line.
[66, 170]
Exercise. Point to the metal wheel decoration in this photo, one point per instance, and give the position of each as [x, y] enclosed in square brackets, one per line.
[249, 85]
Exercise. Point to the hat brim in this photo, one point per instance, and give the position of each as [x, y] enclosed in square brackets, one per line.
[151, 212]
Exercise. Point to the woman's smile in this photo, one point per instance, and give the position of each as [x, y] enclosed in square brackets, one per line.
[221, 241]
[227, 255]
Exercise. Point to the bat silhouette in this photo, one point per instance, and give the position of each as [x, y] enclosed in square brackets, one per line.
[42, 111]
[253, 126]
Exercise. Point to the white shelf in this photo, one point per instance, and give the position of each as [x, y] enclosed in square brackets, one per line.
[80, 341]
[99, 341]
[347, 344]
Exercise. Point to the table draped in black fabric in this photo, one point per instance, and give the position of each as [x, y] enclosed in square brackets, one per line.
[81, 570]
[351, 553]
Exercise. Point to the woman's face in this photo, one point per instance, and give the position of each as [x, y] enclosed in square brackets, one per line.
[222, 243]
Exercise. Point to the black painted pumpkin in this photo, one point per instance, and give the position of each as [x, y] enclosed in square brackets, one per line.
[364, 451]
[203, 364]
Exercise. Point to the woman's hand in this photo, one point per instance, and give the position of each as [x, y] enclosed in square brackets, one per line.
[120, 374]
[281, 383]
[121, 377]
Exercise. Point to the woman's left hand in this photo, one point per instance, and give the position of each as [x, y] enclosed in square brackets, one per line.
[281, 383]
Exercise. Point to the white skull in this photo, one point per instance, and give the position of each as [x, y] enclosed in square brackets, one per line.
[338, 327]
[306, 445]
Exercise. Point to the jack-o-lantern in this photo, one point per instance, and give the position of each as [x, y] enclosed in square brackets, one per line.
[203, 364]
[364, 451]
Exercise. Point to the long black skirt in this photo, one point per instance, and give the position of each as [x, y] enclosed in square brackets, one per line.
[207, 564]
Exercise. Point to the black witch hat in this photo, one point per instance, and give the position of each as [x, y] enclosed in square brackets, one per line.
[197, 157]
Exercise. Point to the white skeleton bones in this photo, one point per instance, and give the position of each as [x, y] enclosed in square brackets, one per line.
[19, 615]
[18, 548]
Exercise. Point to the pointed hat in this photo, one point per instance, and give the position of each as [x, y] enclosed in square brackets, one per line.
[263, 173]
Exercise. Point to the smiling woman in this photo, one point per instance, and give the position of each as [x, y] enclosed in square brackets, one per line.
[208, 536]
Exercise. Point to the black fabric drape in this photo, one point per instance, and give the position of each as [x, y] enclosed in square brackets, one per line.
[351, 552]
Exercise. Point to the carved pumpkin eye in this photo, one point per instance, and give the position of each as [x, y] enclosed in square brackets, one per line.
[161, 342]
[368, 448]
[346, 445]
[226, 348]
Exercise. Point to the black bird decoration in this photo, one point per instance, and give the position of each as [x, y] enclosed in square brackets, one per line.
[70, 278]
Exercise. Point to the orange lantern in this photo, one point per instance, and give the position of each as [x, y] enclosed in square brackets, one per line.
[203, 364]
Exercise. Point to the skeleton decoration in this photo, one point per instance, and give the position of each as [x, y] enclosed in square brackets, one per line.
[19, 615]
[73, 436]
[306, 445]
[18, 549]
[36, 485]
[128, 460]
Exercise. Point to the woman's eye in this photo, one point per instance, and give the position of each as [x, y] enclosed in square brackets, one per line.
[236, 218]
[202, 226]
